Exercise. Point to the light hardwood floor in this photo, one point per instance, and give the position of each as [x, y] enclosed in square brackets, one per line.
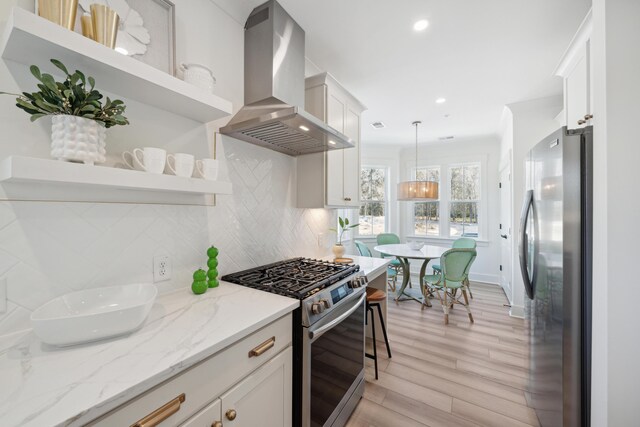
[461, 374]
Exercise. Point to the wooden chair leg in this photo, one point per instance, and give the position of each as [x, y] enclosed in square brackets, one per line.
[466, 282]
[466, 304]
[445, 307]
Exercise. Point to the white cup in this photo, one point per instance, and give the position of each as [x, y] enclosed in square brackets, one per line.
[149, 159]
[181, 164]
[208, 168]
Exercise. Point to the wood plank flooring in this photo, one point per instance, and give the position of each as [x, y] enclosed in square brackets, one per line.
[461, 374]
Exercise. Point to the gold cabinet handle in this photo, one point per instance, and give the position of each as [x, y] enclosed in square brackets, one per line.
[231, 414]
[347, 199]
[162, 413]
[217, 424]
[581, 122]
[261, 348]
[588, 117]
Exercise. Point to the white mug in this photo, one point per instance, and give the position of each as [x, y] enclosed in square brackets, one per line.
[208, 168]
[181, 164]
[131, 161]
[149, 159]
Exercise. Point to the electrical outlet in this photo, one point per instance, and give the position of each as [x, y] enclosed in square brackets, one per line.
[322, 240]
[161, 268]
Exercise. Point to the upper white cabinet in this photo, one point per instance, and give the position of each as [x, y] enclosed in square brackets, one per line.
[575, 68]
[31, 40]
[331, 179]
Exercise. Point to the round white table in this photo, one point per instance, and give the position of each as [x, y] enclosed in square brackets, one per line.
[404, 253]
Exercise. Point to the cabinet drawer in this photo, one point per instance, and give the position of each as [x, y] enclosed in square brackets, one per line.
[211, 414]
[207, 380]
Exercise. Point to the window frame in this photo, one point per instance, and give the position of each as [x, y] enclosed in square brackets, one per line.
[450, 200]
[385, 202]
[414, 175]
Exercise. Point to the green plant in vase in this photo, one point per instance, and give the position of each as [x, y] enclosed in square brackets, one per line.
[344, 226]
[80, 117]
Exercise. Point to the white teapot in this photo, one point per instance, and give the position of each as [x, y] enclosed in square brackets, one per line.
[198, 75]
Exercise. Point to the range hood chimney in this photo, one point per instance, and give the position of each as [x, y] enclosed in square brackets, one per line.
[273, 115]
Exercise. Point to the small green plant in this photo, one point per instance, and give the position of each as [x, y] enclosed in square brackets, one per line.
[344, 226]
[72, 97]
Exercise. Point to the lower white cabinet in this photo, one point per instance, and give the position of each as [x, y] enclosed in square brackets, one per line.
[246, 384]
[262, 399]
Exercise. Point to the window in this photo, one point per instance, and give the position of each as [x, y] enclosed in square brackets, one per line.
[373, 198]
[464, 200]
[426, 215]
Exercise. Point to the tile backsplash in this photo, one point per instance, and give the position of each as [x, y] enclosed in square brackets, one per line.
[51, 248]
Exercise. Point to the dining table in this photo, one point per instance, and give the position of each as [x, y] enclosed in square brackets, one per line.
[404, 253]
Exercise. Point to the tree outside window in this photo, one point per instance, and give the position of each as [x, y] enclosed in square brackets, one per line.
[373, 201]
[426, 215]
[464, 200]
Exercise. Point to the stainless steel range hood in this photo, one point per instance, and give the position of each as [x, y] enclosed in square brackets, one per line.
[273, 115]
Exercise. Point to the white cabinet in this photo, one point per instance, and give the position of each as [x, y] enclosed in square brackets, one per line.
[263, 398]
[251, 377]
[331, 179]
[575, 70]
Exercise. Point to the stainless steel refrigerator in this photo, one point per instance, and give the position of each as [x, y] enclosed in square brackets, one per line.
[555, 260]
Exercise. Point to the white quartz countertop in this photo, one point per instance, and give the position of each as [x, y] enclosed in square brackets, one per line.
[42, 385]
[372, 267]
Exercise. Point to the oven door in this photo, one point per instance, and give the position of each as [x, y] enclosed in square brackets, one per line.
[333, 361]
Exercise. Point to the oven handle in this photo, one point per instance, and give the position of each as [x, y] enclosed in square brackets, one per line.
[320, 331]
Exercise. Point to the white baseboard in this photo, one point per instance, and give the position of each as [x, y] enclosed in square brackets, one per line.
[517, 311]
[493, 279]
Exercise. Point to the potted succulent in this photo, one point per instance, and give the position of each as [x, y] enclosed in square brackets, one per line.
[338, 249]
[79, 116]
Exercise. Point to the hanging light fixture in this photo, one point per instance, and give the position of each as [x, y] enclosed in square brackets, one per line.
[417, 190]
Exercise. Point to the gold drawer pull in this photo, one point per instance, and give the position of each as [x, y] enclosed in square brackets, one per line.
[231, 414]
[162, 413]
[216, 424]
[257, 351]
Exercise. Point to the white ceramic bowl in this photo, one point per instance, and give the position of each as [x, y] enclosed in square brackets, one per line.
[93, 314]
[416, 246]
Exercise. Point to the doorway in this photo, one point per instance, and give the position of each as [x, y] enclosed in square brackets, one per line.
[505, 229]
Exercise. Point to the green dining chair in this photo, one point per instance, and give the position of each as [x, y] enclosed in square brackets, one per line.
[456, 264]
[392, 274]
[463, 242]
[390, 239]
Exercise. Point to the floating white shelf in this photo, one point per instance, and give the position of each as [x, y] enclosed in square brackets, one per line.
[28, 178]
[31, 40]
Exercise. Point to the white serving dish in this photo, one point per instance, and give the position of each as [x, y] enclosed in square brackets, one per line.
[93, 314]
[416, 246]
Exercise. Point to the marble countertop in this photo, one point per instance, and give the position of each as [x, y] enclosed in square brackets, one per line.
[46, 386]
[372, 267]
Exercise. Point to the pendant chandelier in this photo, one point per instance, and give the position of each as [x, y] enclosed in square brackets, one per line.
[417, 190]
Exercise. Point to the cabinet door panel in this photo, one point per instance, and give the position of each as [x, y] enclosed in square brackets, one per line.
[336, 108]
[352, 160]
[263, 398]
[335, 170]
[577, 91]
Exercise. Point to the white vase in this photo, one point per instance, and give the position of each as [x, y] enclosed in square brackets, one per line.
[77, 139]
[338, 250]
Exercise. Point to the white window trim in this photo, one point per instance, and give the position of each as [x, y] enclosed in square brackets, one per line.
[387, 192]
[445, 164]
[412, 204]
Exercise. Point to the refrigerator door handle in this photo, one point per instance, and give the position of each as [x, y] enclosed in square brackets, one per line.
[524, 243]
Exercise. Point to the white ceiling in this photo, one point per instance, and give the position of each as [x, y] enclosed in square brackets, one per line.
[478, 54]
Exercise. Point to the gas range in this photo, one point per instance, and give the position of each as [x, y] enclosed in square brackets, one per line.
[328, 334]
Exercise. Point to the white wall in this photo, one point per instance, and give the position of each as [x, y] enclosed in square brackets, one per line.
[531, 121]
[47, 249]
[616, 344]
[401, 160]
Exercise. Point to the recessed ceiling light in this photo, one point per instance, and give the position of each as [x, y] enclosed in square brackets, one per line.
[441, 101]
[304, 128]
[421, 25]
[332, 142]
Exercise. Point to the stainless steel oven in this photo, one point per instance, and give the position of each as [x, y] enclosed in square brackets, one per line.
[333, 359]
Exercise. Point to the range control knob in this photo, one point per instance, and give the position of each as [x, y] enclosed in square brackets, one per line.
[317, 308]
[325, 303]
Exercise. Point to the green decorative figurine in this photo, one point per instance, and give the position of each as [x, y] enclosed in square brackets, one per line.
[212, 263]
[199, 285]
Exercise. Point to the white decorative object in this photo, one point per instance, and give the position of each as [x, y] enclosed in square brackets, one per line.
[338, 250]
[198, 75]
[93, 314]
[150, 158]
[77, 139]
[181, 164]
[208, 168]
[131, 161]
